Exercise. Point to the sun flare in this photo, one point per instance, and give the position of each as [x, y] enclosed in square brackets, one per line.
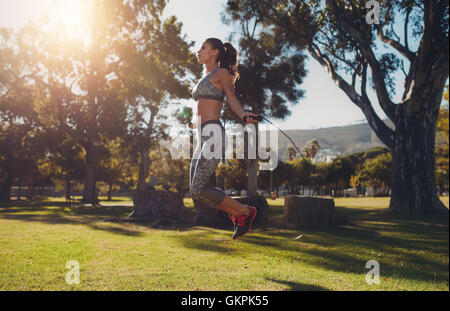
[70, 14]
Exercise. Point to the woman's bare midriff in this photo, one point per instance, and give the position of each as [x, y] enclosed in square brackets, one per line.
[208, 109]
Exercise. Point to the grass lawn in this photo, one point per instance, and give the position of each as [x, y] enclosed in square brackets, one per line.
[38, 239]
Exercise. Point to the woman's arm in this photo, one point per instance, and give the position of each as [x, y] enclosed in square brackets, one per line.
[233, 102]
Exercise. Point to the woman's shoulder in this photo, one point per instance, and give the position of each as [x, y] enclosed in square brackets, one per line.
[223, 73]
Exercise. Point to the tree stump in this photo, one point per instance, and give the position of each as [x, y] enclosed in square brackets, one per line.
[308, 212]
[213, 217]
[160, 207]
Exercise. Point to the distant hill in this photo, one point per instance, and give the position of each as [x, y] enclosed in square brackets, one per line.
[342, 139]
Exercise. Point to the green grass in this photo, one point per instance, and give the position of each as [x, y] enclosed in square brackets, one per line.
[37, 239]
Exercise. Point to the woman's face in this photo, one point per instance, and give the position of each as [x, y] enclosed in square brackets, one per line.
[206, 53]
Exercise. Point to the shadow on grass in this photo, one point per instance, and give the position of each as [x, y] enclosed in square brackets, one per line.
[200, 241]
[77, 209]
[58, 213]
[414, 247]
[294, 286]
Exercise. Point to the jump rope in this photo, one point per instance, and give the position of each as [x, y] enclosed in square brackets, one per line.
[260, 117]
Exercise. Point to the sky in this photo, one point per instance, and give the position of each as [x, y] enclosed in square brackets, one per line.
[324, 104]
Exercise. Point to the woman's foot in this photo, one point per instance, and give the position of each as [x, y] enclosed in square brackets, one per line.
[234, 218]
[244, 222]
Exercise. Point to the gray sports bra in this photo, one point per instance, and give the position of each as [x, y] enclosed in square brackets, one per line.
[205, 89]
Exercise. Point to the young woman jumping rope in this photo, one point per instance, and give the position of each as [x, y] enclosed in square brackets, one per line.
[221, 62]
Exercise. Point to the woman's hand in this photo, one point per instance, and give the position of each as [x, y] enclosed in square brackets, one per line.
[250, 120]
[193, 124]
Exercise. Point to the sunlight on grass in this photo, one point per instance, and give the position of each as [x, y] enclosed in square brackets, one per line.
[36, 241]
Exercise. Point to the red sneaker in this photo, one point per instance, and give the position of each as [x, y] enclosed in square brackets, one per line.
[244, 223]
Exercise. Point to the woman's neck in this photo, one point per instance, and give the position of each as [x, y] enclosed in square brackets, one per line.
[211, 66]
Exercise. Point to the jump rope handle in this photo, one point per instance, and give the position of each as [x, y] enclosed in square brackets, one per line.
[259, 118]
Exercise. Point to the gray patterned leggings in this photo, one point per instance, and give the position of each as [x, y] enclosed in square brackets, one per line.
[204, 162]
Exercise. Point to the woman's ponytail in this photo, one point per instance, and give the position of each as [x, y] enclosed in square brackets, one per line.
[227, 58]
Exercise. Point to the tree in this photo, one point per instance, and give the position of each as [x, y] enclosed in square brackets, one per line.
[318, 177]
[170, 172]
[292, 152]
[19, 125]
[233, 174]
[339, 173]
[64, 159]
[270, 73]
[114, 167]
[311, 148]
[337, 36]
[163, 69]
[111, 25]
[303, 170]
[355, 182]
[377, 172]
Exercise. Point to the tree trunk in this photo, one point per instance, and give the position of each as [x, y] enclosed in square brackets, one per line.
[160, 207]
[143, 170]
[93, 140]
[145, 161]
[308, 212]
[252, 177]
[110, 192]
[30, 189]
[19, 188]
[414, 181]
[252, 164]
[6, 185]
[90, 191]
[68, 189]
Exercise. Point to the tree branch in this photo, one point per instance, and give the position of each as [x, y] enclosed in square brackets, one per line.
[408, 11]
[395, 44]
[432, 55]
[378, 76]
[328, 66]
[381, 129]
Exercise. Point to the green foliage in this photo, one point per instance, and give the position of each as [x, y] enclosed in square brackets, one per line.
[71, 107]
[170, 172]
[233, 174]
[270, 72]
[302, 172]
[377, 172]
[115, 169]
[355, 181]
[184, 116]
[337, 35]
[355, 170]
